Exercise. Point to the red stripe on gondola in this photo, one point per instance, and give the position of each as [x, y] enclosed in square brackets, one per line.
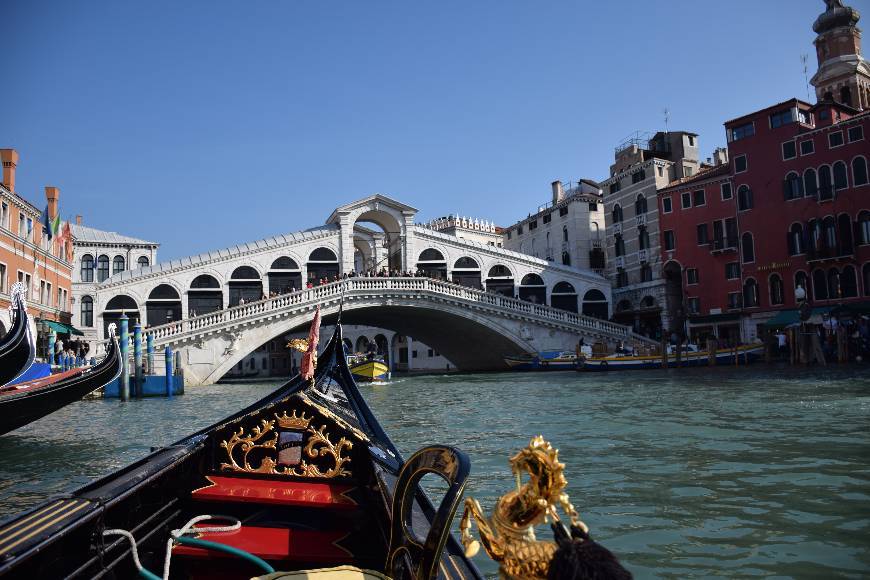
[275, 544]
[268, 491]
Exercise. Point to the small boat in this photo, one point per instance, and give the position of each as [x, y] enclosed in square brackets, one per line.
[368, 368]
[553, 360]
[306, 479]
[24, 403]
[18, 346]
[691, 358]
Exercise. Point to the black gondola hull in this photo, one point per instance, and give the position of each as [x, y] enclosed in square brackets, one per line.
[18, 346]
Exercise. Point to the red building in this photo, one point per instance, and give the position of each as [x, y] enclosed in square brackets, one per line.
[791, 208]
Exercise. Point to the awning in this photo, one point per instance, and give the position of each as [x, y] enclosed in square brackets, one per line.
[61, 328]
[791, 317]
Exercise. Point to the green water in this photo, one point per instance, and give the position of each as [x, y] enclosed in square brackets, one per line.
[758, 471]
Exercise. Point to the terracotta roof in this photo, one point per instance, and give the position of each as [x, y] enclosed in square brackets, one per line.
[717, 171]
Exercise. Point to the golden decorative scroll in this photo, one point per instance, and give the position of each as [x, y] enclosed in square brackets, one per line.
[300, 344]
[508, 537]
[318, 446]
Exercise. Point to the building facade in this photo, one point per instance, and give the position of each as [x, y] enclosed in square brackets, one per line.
[642, 166]
[29, 256]
[465, 228]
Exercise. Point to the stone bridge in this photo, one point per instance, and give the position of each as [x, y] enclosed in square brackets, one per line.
[472, 328]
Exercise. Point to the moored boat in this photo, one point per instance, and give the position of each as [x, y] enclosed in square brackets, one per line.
[368, 368]
[554, 360]
[306, 477]
[18, 346]
[25, 402]
[724, 356]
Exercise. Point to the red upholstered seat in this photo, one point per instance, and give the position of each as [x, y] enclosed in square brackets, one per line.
[275, 544]
[268, 491]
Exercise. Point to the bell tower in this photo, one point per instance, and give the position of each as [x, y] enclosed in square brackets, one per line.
[843, 74]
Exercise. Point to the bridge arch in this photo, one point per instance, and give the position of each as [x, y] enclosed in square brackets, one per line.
[564, 297]
[284, 275]
[322, 264]
[533, 289]
[595, 304]
[500, 279]
[118, 305]
[433, 263]
[163, 304]
[204, 295]
[245, 283]
[466, 272]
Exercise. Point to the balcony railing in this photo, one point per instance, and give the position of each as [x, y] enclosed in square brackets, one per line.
[640, 220]
[620, 262]
[643, 255]
[723, 245]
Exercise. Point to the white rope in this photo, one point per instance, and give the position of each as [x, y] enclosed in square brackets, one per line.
[175, 534]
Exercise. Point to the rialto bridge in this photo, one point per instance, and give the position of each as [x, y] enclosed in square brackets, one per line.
[475, 303]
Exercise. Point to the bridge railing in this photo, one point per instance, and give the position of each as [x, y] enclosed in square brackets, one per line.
[333, 290]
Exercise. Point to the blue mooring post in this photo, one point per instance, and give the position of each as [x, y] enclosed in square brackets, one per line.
[150, 349]
[167, 352]
[137, 359]
[52, 340]
[125, 363]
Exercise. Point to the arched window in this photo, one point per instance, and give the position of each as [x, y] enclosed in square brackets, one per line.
[864, 227]
[849, 282]
[322, 255]
[640, 205]
[466, 272]
[564, 297]
[465, 262]
[620, 245]
[432, 264]
[643, 237]
[796, 240]
[87, 314]
[284, 263]
[802, 281]
[840, 179]
[829, 233]
[623, 306]
[811, 186]
[814, 234]
[820, 285]
[750, 293]
[646, 273]
[163, 305]
[826, 189]
[119, 305]
[102, 268]
[744, 198]
[865, 274]
[532, 289]
[565, 232]
[846, 237]
[143, 261]
[245, 273]
[777, 292]
[747, 245]
[431, 255]
[566, 259]
[833, 284]
[859, 171]
[617, 214]
[532, 280]
[118, 264]
[595, 304]
[87, 268]
[793, 186]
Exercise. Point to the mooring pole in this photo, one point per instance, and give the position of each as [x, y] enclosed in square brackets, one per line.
[149, 342]
[137, 359]
[125, 362]
[167, 353]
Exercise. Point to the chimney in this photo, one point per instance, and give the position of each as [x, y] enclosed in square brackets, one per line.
[720, 156]
[558, 194]
[51, 196]
[10, 161]
[78, 220]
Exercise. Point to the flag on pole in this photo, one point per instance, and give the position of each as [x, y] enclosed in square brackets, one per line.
[309, 359]
[46, 223]
[55, 225]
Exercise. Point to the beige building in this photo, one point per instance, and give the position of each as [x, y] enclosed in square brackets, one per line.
[472, 229]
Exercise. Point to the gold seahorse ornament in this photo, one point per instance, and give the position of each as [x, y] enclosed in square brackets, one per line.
[508, 537]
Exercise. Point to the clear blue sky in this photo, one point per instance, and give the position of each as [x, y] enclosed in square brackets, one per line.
[204, 124]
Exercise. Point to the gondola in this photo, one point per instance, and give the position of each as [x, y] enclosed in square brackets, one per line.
[305, 479]
[18, 347]
[24, 403]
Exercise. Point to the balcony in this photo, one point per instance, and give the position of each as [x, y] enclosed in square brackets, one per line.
[596, 259]
[617, 228]
[643, 255]
[830, 254]
[722, 245]
[620, 262]
[640, 220]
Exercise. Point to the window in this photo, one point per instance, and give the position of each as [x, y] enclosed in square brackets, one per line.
[670, 240]
[615, 186]
[3, 278]
[686, 200]
[519, 230]
[726, 191]
[732, 270]
[731, 232]
[789, 150]
[87, 268]
[848, 282]
[22, 224]
[29, 230]
[781, 118]
[640, 205]
[642, 238]
[533, 225]
[509, 234]
[667, 205]
[855, 133]
[566, 259]
[750, 293]
[118, 264]
[747, 245]
[793, 186]
[744, 198]
[807, 148]
[735, 300]
[687, 171]
[835, 139]
[619, 245]
[691, 275]
[743, 131]
[740, 164]
[4, 215]
[593, 206]
[811, 186]
[691, 140]
[777, 291]
[703, 235]
[565, 232]
[621, 278]
[801, 281]
[859, 171]
[864, 227]
[563, 211]
[698, 198]
[430, 353]
[617, 214]
[694, 305]
[805, 117]
[820, 285]
[87, 314]
[646, 273]
[102, 268]
[796, 240]
[638, 176]
[142, 261]
[826, 189]
[547, 218]
[661, 171]
[840, 180]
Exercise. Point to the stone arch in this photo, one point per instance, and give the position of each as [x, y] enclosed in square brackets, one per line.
[391, 220]
[533, 289]
[466, 272]
[564, 297]
[362, 343]
[624, 305]
[204, 295]
[322, 264]
[163, 305]
[245, 284]
[120, 304]
[432, 263]
[595, 304]
[284, 275]
[500, 279]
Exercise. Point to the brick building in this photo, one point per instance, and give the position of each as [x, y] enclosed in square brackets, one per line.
[29, 257]
[792, 210]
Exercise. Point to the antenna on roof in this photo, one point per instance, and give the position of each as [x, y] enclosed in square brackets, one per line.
[667, 113]
[806, 77]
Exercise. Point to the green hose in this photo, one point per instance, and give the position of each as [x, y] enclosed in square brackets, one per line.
[205, 544]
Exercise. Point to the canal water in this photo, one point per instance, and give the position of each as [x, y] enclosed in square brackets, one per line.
[754, 471]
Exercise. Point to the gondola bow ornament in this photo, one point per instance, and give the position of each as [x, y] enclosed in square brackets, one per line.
[309, 359]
